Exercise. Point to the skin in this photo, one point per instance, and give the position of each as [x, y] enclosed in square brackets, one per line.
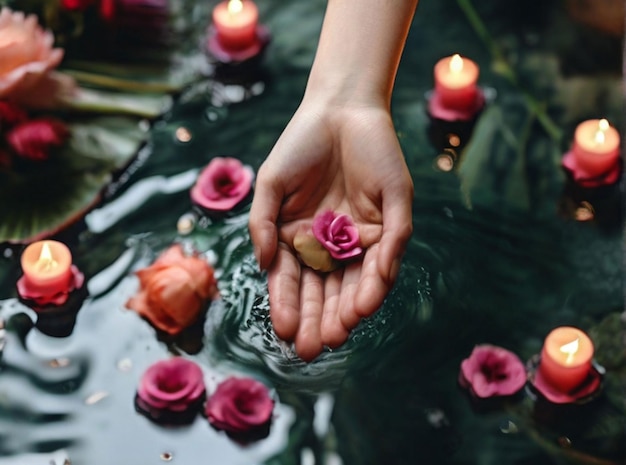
[339, 152]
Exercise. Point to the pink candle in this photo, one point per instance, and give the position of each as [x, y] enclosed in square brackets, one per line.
[47, 267]
[596, 146]
[455, 82]
[566, 358]
[236, 22]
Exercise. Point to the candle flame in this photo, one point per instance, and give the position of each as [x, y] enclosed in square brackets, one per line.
[600, 136]
[235, 6]
[570, 349]
[456, 64]
[46, 261]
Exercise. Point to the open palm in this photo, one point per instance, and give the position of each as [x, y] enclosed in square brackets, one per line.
[348, 161]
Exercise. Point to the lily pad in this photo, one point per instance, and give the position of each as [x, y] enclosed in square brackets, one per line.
[47, 196]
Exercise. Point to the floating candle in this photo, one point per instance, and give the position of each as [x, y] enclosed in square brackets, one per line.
[47, 267]
[566, 358]
[455, 82]
[235, 22]
[596, 146]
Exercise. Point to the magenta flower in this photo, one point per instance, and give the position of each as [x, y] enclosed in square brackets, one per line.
[492, 371]
[239, 406]
[171, 387]
[35, 139]
[338, 234]
[223, 184]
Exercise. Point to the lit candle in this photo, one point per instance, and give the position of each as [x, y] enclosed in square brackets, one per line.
[47, 267]
[455, 82]
[235, 23]
[596, 146]
[566, 358]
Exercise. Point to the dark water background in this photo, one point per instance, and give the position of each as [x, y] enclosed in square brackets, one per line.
[493, 259]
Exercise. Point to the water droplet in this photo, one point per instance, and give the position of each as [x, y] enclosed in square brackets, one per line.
[125, 365]
[167, 456]
[508, 427]
[215, 115]
[183, 135]
[96, 397]
[565, 442]
[8, 253]
[144, 125]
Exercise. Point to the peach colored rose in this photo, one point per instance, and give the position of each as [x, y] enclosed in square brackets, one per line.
[27, 61]
[174, 290]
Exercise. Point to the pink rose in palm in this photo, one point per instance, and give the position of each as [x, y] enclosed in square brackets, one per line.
[171, 387]
[240, 406]
[338, 234]
[492, 371]
[27, 61]
[222, 185]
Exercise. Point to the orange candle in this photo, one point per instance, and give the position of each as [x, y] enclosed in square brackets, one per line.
[47, 267]
[455, 82]
[596, 146]
[235, 23]
[566, 358]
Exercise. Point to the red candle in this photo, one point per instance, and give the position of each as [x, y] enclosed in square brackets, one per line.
[235, 23]
[47, 267]
[455, 82]
[596, 146]
[566, 358]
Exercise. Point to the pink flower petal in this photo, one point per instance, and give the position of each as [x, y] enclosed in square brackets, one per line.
[239, 405]
[174, 384]
[222, 184]
[338, 234]
[492, 371]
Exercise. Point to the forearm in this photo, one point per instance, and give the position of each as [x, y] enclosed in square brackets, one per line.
[359, 50]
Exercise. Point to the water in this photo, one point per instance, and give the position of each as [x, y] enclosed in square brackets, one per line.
[493, 259]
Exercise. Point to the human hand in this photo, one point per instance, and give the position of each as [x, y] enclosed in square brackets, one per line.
[344, 159]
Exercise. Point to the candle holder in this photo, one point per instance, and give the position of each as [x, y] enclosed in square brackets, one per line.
[237, 65]
[597, 199]
[451, 128]
[56, 314]
[563, 410]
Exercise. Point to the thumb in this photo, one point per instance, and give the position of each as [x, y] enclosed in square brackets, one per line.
[264, 211]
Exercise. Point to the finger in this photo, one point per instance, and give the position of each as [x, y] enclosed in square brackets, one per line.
[397, 229]
[348, 315]
[309, 340]
[372, 288]
[268, 195]
[332, 330]
[283, 282]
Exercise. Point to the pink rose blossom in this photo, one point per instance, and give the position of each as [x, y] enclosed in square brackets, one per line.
[26, 291]
[492, 371]
[35, 138]
[240, 405]
[222, 184]
[174, 290]
[175, 385]
[27, 59]
[338, 234]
